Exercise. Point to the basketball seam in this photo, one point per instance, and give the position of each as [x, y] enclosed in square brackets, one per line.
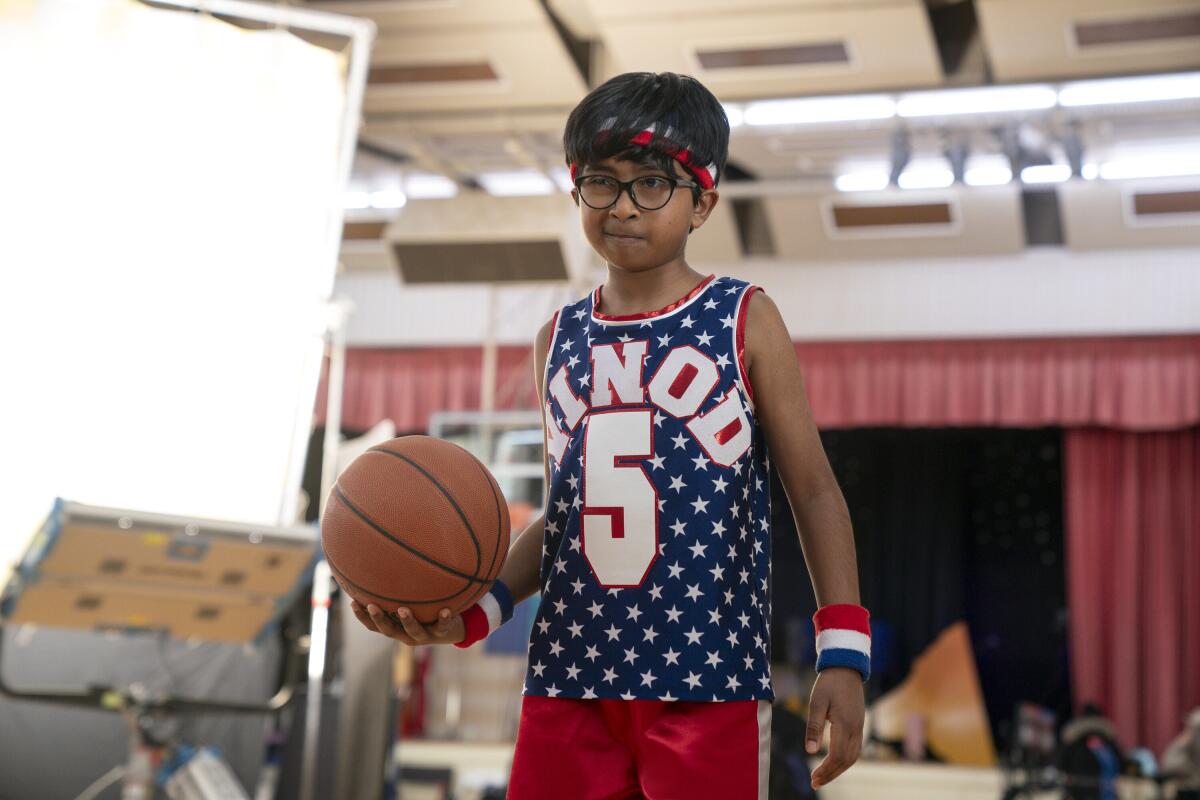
[449, 497]
[499, 519]
[362, 588]
[340, 495]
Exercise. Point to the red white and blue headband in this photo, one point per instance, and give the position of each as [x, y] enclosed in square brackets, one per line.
[706, 176]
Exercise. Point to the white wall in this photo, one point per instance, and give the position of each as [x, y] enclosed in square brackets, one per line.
[1040, 292]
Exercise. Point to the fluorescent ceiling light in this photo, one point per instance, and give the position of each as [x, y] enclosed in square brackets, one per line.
[926, 173]
[987, 170]
[1046, 173]
[356, 200]
[429, 186]
[820, 109]
[388, 198]
[1090, 171]
[1165, 165]
[516, 184]
[863, 181]
[1130, 90]
[735, 115]
[988, 99]
[562, 177]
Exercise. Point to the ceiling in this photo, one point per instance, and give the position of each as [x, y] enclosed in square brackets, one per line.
[465, 88]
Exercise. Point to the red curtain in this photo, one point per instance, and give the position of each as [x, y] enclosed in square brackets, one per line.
[1131, 407]
[1133, 556]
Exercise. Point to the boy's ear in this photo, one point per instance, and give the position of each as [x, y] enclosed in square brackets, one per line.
[703, 207]
[575, 196]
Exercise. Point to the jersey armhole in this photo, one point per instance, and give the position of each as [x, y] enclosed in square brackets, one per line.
[549, 351]
[739, 339]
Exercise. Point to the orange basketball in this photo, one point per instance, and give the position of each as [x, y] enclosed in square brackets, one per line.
[416, 522]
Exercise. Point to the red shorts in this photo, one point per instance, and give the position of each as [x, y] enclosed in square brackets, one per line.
[661, 750]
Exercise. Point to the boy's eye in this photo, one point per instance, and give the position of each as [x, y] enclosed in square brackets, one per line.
[595, 180]
[653, 183]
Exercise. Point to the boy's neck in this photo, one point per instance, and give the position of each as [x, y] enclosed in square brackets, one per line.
[627, 292]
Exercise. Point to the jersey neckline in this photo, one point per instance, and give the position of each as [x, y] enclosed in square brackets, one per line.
[661, 312]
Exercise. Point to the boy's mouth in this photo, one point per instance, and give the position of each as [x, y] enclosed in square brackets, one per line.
[621, 237]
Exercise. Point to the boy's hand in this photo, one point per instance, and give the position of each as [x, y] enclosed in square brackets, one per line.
[447, 629]
[837, 696]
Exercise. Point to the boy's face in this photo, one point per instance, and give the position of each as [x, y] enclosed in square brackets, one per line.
[631, 238]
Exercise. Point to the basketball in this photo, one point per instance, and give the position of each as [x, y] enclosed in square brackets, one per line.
[416, 522]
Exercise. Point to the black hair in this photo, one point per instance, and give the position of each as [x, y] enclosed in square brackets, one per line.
[630, 103]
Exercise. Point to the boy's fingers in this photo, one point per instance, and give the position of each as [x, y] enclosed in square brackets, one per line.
[383, 623]
[363, 616]
[415, 630]
[816, 723]
[442, 626]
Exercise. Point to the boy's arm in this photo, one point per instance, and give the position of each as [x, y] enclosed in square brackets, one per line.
[520, 570]
[822, 519]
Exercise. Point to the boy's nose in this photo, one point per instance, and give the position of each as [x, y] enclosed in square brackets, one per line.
[625, 208]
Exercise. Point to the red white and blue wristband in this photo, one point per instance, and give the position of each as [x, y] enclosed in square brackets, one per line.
[844, 638]
[493, 610]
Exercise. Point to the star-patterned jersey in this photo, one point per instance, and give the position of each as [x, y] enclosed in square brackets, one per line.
[655, 575]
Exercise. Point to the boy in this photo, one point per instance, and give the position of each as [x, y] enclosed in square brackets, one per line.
[662, 392]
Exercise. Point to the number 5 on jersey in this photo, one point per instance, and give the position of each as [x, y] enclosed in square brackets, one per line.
[620, 512]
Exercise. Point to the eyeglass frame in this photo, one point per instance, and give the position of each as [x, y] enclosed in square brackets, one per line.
[627, 188]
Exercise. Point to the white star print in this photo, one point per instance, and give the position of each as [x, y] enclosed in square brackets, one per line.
[658, 420]
[714, 616]
[700, 505]
[577, 585]
[745, 620]
[656, 462]
[749, 662]
[625, 337]
[727, 321]
[552, 526]
[678, 527]
[572, 361]
[613, 632]
[710, 304]
[559, 606]
[630, 655]
[692, 680]
[732, 638]
[588, 693]
[656, 591]
[664, 340]
[575, 545]
[592, 653]
[723, 360]
[649, 634]
[560, 566]
[552, 690]
[610, 675]
[713, 659]
[680, 441]
[648, 678]
[693, 592]
[627, 696]
[718, 573]
[577, 502]
[586, 380]
[572, 671]
[733, 683]
[573, 480]
[671, 656]
[673, 614]
[701, 463]
[765, 681]
[677, 483]
[687, 322]
[719, 484]
[729, 597]
[704, 339]
[667, 698]
[566, 345]
[718, 528]
[698, 550]
[538, 668]
[675, 569]
[555, 648]
[544, 625]
[580, 314]
[634, 612]
[561, 505]
[693, 636]
[576, 629]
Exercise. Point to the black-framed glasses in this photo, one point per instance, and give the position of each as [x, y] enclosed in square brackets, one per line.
[649, 192]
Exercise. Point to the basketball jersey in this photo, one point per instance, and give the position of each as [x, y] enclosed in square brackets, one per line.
[655, 571]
